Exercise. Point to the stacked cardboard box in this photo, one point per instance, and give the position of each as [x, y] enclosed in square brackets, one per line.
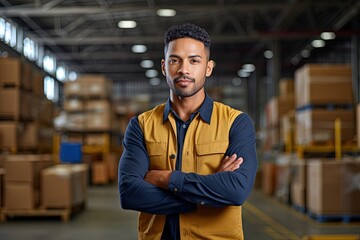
[298, 184]
[323, 92]
[87, 104]
[276, 108]
[64, 186]
[22, 180]
[332, 187]
[21, 107]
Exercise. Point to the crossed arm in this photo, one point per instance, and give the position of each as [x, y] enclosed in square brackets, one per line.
[161, 178]
[165, 192]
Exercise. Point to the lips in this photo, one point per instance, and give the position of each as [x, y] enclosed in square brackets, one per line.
[184, 79]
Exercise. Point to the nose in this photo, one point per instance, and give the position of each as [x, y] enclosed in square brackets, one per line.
[184, 68]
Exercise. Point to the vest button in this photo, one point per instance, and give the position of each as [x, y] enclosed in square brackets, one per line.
[172, 156]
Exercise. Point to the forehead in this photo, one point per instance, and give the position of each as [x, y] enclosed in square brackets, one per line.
[186, 47]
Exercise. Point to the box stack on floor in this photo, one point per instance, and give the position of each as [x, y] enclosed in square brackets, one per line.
[308, 174]
[33, 185]
[25, 114]
[277, 109]
[88, 120]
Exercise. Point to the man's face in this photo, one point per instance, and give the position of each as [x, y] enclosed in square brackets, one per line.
[186, 66]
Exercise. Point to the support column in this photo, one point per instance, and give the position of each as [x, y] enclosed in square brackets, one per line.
[273, 67]
[355, 65]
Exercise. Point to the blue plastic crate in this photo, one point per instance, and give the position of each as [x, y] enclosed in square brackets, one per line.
[70, 152]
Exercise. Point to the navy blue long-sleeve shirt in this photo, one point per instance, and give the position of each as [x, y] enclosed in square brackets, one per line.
[186, 190]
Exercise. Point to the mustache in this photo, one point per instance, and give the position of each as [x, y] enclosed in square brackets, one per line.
[184, 77]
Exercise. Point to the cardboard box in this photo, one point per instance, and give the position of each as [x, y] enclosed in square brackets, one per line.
[74, 88]
[11, 100]
[25, 168]
[62, 187]
[96, 85]
[29, 137]
[318, 125]
[323, 84]
[10, 72]
[282, 184]
[286, 87]
[277, 107]
[38, 83]
[98, 115]
[27, 75]
[21, 196]
[9, 134]
[73, 105]
[298, 184]
[100, 172]
[2, 186]
[76, 121]
[268, 178]
[332, 187]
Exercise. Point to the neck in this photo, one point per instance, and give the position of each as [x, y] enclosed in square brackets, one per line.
[185, 106]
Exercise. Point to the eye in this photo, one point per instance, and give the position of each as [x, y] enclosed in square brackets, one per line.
[173, 61]
[195, 61]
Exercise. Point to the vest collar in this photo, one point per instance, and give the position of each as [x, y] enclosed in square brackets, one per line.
[205, 109]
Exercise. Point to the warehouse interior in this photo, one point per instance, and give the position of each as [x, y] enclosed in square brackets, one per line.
[73, 73]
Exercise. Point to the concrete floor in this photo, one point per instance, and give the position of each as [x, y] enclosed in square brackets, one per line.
[264, 219]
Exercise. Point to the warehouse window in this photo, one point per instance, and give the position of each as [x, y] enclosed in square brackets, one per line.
[7, 33]
[49, 64]
[51, 89]
[61, 73]
[30, 49]
[2, 28]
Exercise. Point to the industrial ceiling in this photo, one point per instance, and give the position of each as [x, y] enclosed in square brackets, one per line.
[85, 35]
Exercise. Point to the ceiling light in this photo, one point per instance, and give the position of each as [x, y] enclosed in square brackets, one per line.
[147, 64]
[295, 60]
[243, 74]
[305, 53]
[151, 73]
[236, 81]
[72, 76]
[328, 35]
[249, 67]
[318, 43]
[127, 24]
[154, 81]
[268, 54]
[138, 49]
[166, 12]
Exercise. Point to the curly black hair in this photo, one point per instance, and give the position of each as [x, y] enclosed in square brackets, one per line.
[187, 30]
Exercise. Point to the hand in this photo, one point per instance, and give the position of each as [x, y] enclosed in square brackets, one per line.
[230, 163]
[159, 178]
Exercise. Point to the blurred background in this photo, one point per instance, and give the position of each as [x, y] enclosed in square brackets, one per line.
[73, 72]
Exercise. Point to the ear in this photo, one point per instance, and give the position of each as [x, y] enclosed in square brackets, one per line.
[209, 68]
[163, 67]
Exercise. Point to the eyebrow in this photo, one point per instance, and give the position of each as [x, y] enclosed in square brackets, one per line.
[191, 56]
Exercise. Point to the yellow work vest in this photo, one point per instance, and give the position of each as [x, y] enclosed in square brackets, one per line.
[203, 151]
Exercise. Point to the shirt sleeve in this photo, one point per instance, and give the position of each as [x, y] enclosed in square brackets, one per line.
[135, 192]
[223, 188]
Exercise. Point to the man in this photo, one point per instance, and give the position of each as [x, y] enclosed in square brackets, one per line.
[181, 162]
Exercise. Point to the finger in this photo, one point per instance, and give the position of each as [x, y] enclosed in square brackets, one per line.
[228, 161]
[236, 164]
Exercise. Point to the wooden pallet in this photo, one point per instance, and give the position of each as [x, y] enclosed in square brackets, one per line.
[64, 213]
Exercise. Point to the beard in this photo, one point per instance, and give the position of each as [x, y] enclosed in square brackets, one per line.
[188, 91]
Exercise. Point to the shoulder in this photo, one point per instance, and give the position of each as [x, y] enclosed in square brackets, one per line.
[158, 110]
[225, 110]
